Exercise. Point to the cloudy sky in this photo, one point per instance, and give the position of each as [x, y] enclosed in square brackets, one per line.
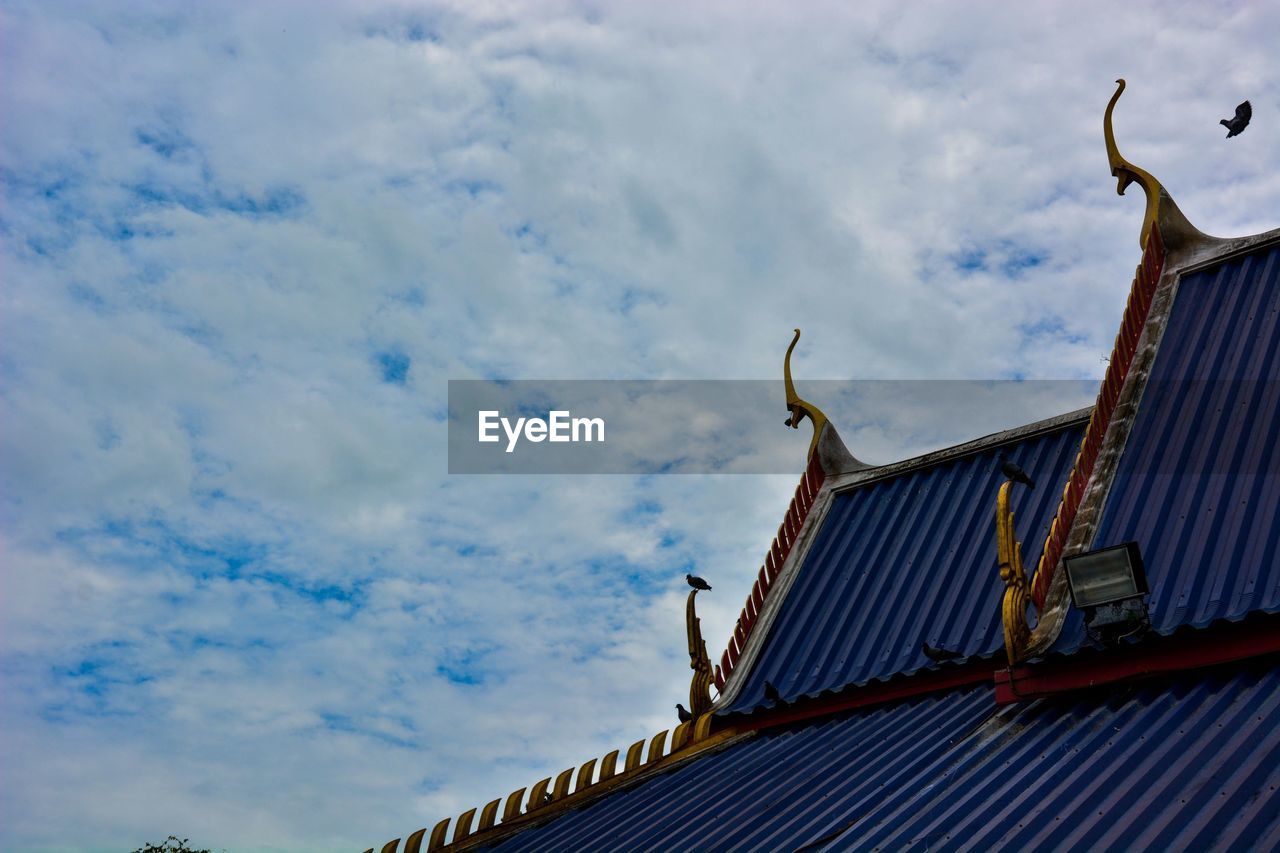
[244, 247]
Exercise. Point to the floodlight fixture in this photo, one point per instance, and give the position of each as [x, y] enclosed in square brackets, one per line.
[1110, 586]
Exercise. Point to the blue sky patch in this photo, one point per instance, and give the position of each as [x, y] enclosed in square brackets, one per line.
[1009, 259]
[85, 295]
[970, 260]
[167, 141]
[393, 365]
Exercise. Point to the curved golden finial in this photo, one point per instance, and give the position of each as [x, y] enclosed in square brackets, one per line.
[1126, 173]
[699, 662]
[1162, 213]
[798, 407]
[1017, 589]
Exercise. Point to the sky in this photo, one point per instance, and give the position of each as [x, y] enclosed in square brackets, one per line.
[244, 247]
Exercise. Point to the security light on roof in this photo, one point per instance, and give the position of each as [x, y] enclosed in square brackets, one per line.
[1110, 586]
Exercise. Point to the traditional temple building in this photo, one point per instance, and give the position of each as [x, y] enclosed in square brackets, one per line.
[936, 656]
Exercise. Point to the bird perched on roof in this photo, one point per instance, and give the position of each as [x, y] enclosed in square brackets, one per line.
[1244, 112]
[1013, 472]
[771, 693]
[938, 654]
[697, 582]
[684, 715]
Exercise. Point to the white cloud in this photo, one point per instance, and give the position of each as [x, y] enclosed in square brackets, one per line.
[242, 598]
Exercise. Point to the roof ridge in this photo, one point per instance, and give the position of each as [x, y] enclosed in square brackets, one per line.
[876, 473]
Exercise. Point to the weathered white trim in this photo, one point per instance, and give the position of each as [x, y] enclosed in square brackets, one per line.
[777, 594]
[860, 478]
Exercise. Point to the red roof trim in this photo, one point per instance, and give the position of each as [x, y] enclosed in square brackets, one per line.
[876, 693]
[1217, 644]
[1191, 649]
[1126, 345]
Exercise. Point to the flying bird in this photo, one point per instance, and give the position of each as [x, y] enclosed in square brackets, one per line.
[684, 715]
[771, 693]
[938, 655]
[1244, 112]
[697, 582]
[1013, 472]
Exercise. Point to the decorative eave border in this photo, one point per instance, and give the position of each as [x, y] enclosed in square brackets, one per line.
[547, 799]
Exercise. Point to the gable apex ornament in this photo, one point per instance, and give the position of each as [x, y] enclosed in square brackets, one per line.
[834, 457]
[1161, 212]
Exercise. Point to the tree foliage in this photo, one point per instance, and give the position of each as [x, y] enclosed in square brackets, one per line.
[172, 844]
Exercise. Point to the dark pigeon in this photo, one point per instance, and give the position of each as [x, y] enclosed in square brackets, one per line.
[684, 715]
[1013, 472]
[938, 655]
[771, 693]
[697, 582]
[1244, 113]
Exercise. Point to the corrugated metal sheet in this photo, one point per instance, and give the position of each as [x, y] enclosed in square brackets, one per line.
[1198, 486]
[1192, 765]
[903, 561]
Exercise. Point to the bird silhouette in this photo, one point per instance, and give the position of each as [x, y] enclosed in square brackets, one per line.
[1013, 472]
[1240, 121]
[938, 655]
[697, 582]
[684, 715]
[771, 693]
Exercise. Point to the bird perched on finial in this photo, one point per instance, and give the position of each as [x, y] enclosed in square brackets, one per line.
[1013, 472]
[1240, 121]
[771, 693]
[697, 582]
[682, 713]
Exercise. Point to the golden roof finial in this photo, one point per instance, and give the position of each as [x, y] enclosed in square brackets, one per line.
[1126, 173]
[1017, 589]
[699, 662]
[798, 407]
[1161, 210]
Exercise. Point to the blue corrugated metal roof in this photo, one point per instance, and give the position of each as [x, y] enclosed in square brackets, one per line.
[1190, 764]
[902, 561]
[1198, 486]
